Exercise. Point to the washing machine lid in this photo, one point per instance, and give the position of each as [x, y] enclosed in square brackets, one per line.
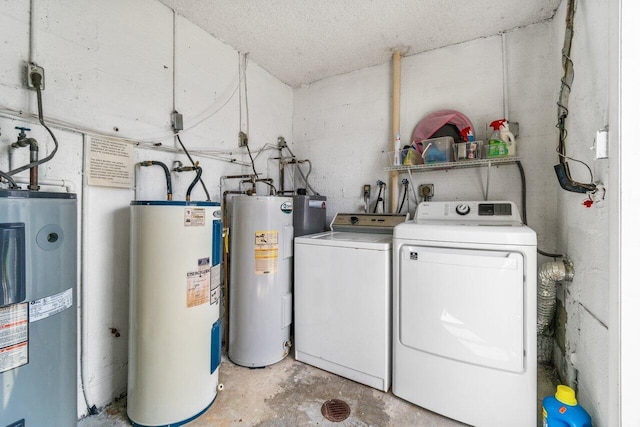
[467, 222]
[346, 239]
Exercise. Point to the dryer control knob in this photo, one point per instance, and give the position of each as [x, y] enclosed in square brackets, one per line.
[463, 209]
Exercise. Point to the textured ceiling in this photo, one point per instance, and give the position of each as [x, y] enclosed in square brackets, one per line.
[301, 41]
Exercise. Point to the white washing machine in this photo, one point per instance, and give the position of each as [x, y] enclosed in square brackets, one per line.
[464, 304]
[342, 298]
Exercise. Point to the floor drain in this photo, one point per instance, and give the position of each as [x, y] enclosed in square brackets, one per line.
[335, 410]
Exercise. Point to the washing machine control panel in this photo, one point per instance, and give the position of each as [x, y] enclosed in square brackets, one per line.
[494, 209]
[481, 212]
[362, 222]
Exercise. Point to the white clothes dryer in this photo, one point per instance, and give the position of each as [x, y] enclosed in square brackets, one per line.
[464, 313]
[342, 298]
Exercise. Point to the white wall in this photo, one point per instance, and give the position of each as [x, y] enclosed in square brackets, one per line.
[343, 123]
[583, 232]
[110, 64]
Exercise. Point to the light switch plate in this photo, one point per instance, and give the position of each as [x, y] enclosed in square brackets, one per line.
[601, 144]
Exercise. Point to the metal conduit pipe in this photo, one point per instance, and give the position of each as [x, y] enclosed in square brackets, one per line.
[283, 161]
[251, 181]
[548, 275]
[224, 178]
[305, 177]
[32, 143]
[269, 182]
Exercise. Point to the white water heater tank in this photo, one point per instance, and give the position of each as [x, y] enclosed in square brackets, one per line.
[260, 296]
[174, 332]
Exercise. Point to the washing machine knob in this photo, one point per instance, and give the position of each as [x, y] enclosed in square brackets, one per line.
[354, 220]
[463, 209]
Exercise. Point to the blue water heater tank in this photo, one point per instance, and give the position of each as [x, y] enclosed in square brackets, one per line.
[38, 273]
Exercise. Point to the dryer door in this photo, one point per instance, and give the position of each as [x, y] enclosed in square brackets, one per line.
[463, 304]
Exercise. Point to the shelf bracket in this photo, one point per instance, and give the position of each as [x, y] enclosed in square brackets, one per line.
[486, 194]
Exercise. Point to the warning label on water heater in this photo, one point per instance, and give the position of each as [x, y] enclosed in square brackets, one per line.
[198, 287]
[194, 217]
[48, 306]
[215, 285]
[14, 336]
[266, 252]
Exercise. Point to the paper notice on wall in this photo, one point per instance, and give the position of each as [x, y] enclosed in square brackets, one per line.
[266, 252]
[198, 287]
[110, 163]
[14, 336]
[48, 306]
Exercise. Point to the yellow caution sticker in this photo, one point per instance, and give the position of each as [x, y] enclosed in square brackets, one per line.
[266, 252]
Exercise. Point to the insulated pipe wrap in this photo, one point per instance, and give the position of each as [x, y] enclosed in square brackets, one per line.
[548, 275]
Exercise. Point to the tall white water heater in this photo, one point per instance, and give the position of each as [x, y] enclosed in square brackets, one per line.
[174, 332]
[260, 289]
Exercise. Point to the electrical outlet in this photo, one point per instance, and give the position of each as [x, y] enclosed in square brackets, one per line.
[243, 139]
[427, 191]
[33, 68]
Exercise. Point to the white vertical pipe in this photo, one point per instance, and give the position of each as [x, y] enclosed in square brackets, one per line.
[83, 298]
[505, 85]
[174, 59]
[395, 128]
[175, 138]
[32, 22]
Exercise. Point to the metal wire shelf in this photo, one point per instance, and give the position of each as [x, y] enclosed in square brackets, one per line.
[461, 164]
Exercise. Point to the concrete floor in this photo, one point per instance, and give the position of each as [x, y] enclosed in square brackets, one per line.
[291, 393]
